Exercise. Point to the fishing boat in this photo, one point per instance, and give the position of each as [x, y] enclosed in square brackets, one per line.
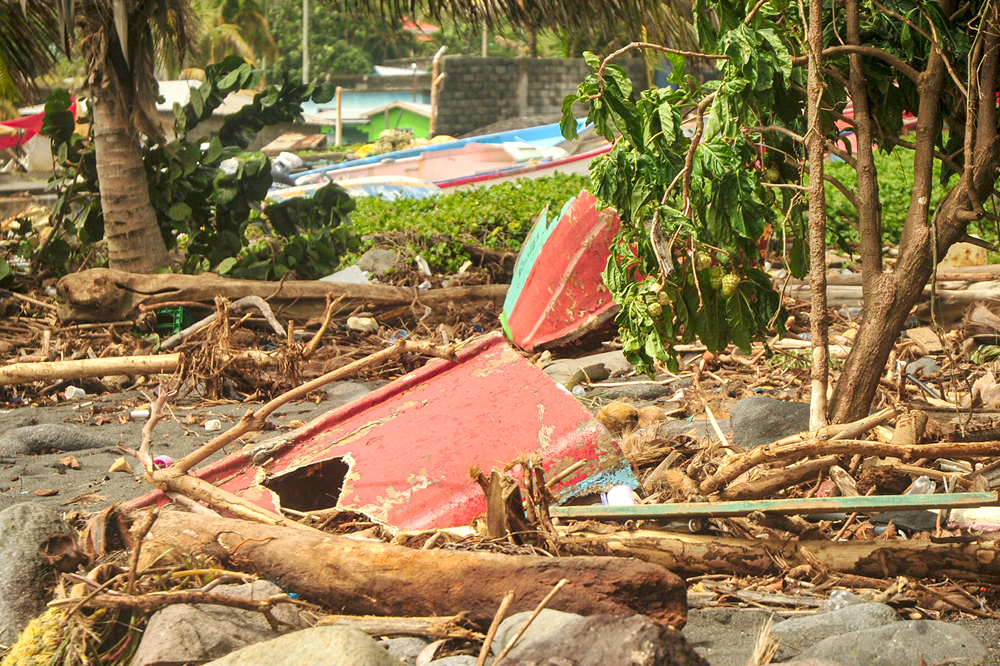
[401, 454]
[543, 136]
[389, 188]
[558, 293]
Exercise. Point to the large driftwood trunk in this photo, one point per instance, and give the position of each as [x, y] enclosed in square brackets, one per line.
[695, 554]
[100, 294]
[374, 578]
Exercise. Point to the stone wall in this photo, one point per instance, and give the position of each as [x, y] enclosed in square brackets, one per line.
[480, 91]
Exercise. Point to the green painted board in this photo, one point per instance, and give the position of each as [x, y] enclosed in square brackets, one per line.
[875, 503]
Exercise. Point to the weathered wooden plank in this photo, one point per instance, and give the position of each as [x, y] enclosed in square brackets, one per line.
[795, 506]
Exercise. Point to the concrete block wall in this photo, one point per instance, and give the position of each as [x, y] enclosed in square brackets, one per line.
[479, 91]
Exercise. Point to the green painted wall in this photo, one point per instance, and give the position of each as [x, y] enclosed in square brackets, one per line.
[398, 119]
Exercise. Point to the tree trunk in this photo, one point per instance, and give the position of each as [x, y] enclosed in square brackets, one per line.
[696, 554]
[816, 149]
[894, 294]
[373, 578]
[869, 205]
[891, 295]
[130, 228]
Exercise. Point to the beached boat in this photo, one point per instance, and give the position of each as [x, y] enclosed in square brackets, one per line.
[384, 187]
[558, 294]
[401, 454]
[543, 136]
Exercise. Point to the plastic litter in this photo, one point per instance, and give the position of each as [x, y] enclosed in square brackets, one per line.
[618, 496]
[159, 462]
[139, 414]
[74, 393]
[362, 324]
[212, 425]
[426, 284]
[422, 264]
[922, 486]
[579, 391]
[840, 599]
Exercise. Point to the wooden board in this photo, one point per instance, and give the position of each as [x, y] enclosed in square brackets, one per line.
[786, 507]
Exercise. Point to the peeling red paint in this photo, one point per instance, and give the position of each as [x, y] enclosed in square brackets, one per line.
[410, 444]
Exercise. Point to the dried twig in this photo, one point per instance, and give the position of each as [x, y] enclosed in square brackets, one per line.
[538, 609]
[151, 601]
[497, 619]
[235, 306]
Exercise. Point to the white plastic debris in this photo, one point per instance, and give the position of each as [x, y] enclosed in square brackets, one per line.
[362, 324]
[426, 284]
[212, 425]
[74, 393]
[139, 414]
[422, 264]
[620, 496]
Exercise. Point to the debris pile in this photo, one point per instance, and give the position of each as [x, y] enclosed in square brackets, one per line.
[488, 503]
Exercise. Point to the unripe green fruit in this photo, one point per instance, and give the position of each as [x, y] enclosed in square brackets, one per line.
[703, 260]
[663, 298]
[716, 271]
[655, 310]
[729, 285]
[716, 281]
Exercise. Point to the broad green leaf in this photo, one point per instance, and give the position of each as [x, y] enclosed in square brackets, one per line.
[179, 211]
[226, 265]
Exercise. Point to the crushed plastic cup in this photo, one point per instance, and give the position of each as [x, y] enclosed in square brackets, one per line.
[922, 486]
[74, 393]
[620, 496]
[840, 599]
[212, 425]
[139, 414]
[159, 462]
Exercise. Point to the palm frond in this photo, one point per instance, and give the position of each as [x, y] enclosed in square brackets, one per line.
[27, 44]
[120, 41]
[575, 15]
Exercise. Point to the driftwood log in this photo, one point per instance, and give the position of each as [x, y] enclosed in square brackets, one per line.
[953, 298]
[695, 554]
[101, 294]
[374, 578]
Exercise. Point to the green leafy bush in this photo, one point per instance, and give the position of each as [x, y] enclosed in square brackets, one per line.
[197, 201]
[498, 217]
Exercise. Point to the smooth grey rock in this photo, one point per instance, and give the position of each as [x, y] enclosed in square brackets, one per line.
[183, 633]
[603, 640]
[699, 429]
[911, 521]
[378, 262]
[405, 648]
[759, 420]
[318, 646]
[799, 634]
[635, 391]
[724, 636]
[32, 440]
[923, 367]
[23, 527]
[457, 660]
[349, 275]
[341, 393]
[903, 643]
[595, 366]
[548, 623]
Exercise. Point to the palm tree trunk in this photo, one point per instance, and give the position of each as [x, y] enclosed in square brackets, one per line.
[130, 228]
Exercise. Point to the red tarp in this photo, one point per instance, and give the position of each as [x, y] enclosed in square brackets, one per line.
[25, 128]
